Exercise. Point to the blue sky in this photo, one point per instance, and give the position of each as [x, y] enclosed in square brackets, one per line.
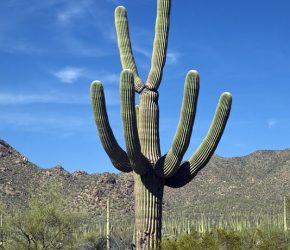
[51, 50]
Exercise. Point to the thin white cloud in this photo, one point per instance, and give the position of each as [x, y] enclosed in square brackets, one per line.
[172, 57]
[73, 10]
[105, 77]
[83, 9]
[9, 45]
[67, 15]
[14, 99]
[108, 31]
[142, 51]
[113, 1]
[108, 78]
[75, 46]
[38, 122]
[83, 14]
[69, 74]
[103, 22]
[72, 74]
[271, 123]
[17, 99]
[87, 9]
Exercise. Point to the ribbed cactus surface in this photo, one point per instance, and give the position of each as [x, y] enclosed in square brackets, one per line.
[153, 171]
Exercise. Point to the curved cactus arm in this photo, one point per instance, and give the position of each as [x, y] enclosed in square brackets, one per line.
[168, 164]
[124, 44]
[116, 154]
[160, 44]
[130, 127]
[202, 155]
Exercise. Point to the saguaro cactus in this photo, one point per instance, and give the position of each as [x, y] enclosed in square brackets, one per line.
[153, 171]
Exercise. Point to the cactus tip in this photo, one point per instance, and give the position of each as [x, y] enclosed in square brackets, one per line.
[96, 84]
[193, 71]
[227, 94]
[120, 10]
[193, 74]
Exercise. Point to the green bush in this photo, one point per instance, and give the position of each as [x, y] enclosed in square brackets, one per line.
[45, 224]
[220, 239]
[90, 241]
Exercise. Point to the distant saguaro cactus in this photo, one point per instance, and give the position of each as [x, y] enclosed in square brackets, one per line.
[153, 171]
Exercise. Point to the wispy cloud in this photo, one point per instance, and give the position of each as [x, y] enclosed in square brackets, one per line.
[72, 10]
[67, 15]
[72, 74]
[107, 78]
[78, 47]
[61, 18]
[83, 9]
[142, 51]
[271, 123]
[103, 22]
[13, 46]
[69, 74]
[173, 57]
[113, 1]
[108, 31]
[17, 99]
[112, 96]
[37, 122]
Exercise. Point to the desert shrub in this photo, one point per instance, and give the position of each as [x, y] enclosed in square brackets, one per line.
[45, 224]
[229, 239]
[168, 244]
[267, 240]
[91, 241]
[187, 242]
[193, 240]
[220, 239]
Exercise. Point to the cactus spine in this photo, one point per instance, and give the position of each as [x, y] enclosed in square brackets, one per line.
[153, 171]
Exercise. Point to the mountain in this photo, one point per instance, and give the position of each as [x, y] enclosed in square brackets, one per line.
[254, 183]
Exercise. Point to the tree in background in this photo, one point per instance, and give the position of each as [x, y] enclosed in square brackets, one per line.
[45, 224]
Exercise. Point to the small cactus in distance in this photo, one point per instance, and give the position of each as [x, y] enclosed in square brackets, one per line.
[153, 171]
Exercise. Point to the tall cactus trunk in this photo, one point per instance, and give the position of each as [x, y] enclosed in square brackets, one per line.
[148, 187]
[148, 210]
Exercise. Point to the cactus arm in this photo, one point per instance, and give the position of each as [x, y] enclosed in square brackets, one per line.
[202, 155]
[116, 154]
[169, 163]
[160, 44]
[124, 44]
[130, 127]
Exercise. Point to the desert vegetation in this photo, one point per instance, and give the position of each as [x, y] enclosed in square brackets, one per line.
[47, 223]
[229, 239]
[255, 221]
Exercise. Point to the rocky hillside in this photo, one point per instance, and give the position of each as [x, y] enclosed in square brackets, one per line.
[257, 182]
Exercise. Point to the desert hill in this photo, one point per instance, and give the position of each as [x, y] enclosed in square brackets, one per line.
[254, 183]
